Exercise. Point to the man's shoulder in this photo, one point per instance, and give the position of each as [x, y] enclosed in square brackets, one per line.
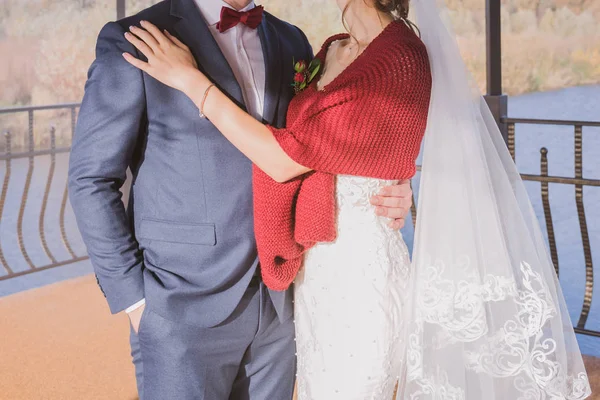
[285, 28]
[158, 14]
[155, 14]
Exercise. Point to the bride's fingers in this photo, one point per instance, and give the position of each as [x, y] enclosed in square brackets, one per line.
[160, 38]
[139, 44]
[401, 190]
[136, 62]
[177, 42]
[397, 224]
[391, 202]
[391, 212]
[146, 37]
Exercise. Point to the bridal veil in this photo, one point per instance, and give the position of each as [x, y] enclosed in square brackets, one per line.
[489, 319]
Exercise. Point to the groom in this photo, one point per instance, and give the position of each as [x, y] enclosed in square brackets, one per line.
[182, 259]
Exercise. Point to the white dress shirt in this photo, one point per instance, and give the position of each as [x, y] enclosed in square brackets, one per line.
[242, 49]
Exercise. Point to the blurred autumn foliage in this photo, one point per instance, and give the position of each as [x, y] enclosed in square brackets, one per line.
[46, 46]
[547, 44]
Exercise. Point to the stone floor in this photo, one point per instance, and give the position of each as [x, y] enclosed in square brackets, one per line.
[593, 368]
[59, 342]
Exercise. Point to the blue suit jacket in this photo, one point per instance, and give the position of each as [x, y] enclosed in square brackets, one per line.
[186, 241]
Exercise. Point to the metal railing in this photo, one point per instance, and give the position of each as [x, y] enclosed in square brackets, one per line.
[579, 182]
[545, 179]
[31, 154]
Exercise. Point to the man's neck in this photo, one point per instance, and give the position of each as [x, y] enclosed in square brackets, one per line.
[238, 4]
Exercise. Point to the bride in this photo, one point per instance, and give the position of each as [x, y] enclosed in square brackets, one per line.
[478, 314]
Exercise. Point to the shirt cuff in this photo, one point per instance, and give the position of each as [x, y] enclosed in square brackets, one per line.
[135, 306]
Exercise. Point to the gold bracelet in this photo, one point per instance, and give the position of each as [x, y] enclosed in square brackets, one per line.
[212, 85]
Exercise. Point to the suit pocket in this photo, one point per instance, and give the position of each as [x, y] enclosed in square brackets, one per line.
[142, 318]
[177, 232]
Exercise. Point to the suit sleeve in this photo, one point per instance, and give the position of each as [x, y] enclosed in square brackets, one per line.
[110, 120]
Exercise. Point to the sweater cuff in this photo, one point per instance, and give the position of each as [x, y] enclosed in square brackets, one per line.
[290, 145]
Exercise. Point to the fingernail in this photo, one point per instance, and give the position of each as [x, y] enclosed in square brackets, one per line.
[142, 22]
[126, 34]
[379, 211]
[375, 200]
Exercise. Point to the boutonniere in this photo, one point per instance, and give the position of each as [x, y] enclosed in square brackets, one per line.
[304, 74]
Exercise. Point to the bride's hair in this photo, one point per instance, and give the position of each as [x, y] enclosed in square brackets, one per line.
[397, 8]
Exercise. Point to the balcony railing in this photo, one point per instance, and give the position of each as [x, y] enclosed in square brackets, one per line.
[13, 268]
[579, 182]
[27, 265]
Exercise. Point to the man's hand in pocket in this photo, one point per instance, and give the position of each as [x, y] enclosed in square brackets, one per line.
[135, 317]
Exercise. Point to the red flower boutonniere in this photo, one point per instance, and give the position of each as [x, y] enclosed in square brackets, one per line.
[305, 74]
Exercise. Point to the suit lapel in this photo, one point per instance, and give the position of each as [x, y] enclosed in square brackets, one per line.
[272, 53]
[193, 31]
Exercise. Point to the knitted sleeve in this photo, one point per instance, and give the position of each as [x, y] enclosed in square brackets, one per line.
[370, 123]
[371, 127]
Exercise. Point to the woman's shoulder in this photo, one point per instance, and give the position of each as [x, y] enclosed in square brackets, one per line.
[399, 51]
[399, 39]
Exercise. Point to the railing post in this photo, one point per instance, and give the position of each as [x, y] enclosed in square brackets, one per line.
[497, 101]
[499, 107]
[7, 174]
[120, 9]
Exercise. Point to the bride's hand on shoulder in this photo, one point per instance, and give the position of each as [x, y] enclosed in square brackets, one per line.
[169, 60]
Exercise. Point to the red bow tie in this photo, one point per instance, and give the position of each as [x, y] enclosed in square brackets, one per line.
[231, 17]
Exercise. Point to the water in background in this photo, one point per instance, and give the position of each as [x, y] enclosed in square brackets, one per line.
[577, 103]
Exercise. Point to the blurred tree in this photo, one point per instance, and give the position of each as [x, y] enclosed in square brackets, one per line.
[87, 3]
[65, 55]
[46, 46]
[135, 6]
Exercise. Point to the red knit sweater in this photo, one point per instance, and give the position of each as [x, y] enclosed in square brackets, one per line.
[369, 121]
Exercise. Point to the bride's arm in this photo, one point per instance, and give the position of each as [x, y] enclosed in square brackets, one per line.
[172, 63]
[251, 137]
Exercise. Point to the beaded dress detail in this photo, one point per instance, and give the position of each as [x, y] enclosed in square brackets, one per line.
[350, 305]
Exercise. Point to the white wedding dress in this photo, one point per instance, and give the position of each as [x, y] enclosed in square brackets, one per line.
[350, 301]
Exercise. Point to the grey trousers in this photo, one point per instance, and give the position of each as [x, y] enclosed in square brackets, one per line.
[250, 356]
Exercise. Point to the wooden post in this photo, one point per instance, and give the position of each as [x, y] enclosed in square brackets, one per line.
[495, 99]
[120, 9]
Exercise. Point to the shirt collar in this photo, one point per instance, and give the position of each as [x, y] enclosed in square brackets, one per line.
[211, 9]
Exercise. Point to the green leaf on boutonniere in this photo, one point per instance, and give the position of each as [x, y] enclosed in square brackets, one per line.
[303, 85]
[314, 70]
